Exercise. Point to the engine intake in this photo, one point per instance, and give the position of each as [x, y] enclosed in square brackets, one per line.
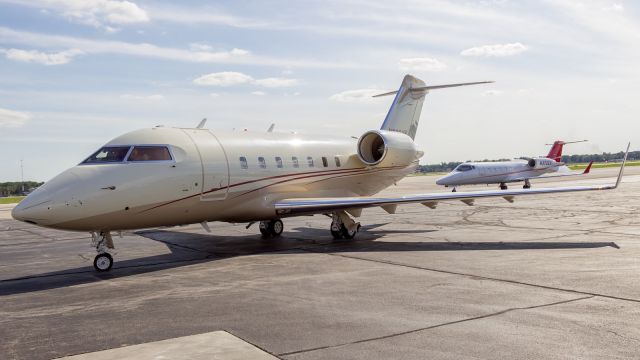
[380, 147]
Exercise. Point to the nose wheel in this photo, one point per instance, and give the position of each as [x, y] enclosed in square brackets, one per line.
[103, 262]
[103, 243]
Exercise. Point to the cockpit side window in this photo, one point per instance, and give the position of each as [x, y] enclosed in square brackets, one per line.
[465, 167]
[150, 153]
[108, 154]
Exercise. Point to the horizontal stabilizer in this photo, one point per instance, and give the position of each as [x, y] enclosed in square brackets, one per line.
[434, 87]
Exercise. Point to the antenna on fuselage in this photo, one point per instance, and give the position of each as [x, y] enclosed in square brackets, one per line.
[202, 122]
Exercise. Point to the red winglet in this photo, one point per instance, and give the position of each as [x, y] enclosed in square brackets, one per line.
[586, 171]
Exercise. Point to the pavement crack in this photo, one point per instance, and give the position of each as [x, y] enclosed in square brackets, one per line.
[479, 317]
[481, 277]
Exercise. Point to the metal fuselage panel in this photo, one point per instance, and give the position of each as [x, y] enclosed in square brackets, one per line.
[206, 181]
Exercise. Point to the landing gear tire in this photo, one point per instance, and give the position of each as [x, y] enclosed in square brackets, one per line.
[103, 262]
[527, 185]
[271, 228]
[454, 190]
[503, 186]
[276, 227]
[336, 231]
[349, 234]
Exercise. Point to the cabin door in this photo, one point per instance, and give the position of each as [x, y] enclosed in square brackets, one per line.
[215, 165]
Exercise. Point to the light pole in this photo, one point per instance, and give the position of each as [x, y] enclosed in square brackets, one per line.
[22, 174]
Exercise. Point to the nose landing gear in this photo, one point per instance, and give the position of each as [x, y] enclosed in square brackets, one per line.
[102, 242]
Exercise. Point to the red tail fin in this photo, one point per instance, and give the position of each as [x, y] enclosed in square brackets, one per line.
[586, 171]
[556, 151]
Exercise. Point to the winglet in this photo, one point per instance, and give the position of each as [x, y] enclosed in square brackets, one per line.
[586, 171]
[202, 122]
[624, 160]
[270, 129]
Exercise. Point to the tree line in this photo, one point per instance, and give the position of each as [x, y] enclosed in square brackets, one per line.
[567, 159]
[15, 188]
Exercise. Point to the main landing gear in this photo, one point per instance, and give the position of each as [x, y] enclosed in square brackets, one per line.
[527, 184]
[503, 186]
[271, 228]
[103, 243]
[454, 189]
[343, 226]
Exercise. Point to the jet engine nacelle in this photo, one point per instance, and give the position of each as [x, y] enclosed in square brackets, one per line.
[386, 148]
[540, 163]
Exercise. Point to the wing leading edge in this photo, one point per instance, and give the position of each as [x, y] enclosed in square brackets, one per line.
[292, 207]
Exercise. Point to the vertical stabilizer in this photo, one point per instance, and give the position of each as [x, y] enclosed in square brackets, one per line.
[404, 114]
[556, 151]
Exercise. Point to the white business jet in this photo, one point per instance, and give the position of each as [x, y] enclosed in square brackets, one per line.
[174, 176]
[503, 172]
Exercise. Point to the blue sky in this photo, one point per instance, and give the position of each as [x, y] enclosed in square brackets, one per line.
[76, 73]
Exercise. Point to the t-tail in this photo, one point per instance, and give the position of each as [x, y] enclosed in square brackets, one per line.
[404, 114]
[556, 149]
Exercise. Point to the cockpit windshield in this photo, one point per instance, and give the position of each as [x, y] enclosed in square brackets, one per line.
[108, 154]
[139, 153]
[150, 153]
[465, 167]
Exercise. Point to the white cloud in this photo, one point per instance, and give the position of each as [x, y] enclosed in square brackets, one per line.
[91, 46]
[358, 96]
[230, 78]
[98, 13]
[421, 64]
[239, 52]
[154, 97]
[225, 78]
[276, 82]
[214, 95]
[34, 56]
[497, 50]
[200, 47]
[258, 93]
[12, 119]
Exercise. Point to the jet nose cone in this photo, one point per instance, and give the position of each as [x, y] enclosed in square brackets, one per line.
[442, 181]
[31, 209]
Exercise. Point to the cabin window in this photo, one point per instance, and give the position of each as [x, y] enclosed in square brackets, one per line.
[310, 161]
[108, 154]
[279, 161]
[325, 162]
[243, 163]
[261, 163]
[149, 153]
[294, 161]
[337, 161]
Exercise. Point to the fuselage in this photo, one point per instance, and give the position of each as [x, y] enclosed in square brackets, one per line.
[499, 172]
[204, 176]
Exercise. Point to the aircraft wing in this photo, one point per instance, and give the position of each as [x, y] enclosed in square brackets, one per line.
[292, 207]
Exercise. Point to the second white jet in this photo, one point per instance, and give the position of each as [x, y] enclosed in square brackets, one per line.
[503, 172]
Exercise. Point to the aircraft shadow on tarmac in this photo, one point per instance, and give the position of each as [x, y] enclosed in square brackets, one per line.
[194, 248]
